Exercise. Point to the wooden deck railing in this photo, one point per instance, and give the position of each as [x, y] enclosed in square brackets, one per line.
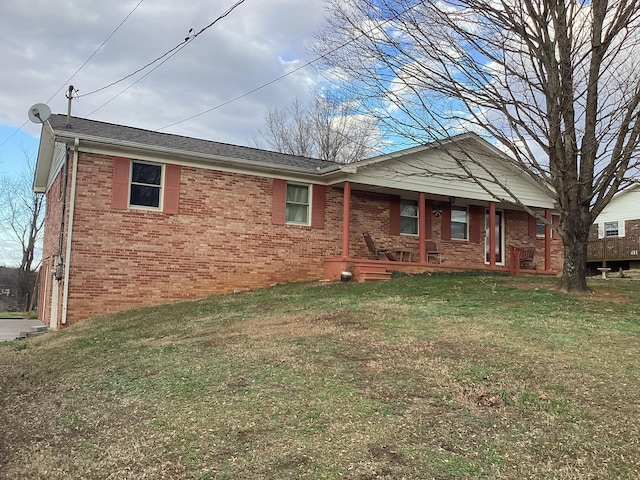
[627, 248]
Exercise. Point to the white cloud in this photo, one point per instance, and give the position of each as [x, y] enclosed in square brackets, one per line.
[43, 43]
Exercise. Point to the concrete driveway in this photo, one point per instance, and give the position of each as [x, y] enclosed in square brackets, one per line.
[11, 328]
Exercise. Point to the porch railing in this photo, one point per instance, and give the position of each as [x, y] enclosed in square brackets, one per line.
[626, 248]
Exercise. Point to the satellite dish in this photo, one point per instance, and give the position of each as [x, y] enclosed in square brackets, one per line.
[39, 113]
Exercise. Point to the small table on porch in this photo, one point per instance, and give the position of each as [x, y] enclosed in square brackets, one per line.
[403, 255]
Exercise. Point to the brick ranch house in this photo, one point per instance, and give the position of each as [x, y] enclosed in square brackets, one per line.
[136, 217]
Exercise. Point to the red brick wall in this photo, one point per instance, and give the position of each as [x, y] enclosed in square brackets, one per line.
[223, 239]
[632, 228]
[51, 247]
[517, 233]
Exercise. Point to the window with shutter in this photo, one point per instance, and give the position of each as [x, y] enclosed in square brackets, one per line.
[459, 222]
[408, 217]
[145, 185]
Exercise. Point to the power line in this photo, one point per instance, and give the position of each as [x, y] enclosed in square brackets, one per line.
[14, 132]
[170, 53]
[175, 50]
[97, 50]
[78, 70]
[271, 82]
[264, 85]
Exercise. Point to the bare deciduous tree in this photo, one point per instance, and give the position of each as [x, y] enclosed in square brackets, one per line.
[23, 218]
[555, 83]
[326, 128]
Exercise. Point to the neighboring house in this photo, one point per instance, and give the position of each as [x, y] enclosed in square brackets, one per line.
[615, 234]
[136, 217]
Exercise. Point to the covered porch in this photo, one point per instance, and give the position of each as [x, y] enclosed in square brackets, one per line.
[490, 227]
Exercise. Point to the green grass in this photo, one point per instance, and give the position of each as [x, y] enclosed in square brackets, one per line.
[423, 377]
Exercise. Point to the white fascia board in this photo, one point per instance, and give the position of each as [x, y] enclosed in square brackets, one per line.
[44, 160]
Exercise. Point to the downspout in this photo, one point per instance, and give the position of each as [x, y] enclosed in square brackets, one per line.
[65, 177]
[67, 257]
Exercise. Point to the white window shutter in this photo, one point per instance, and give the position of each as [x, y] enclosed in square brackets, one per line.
[621, 228]
[601, 230]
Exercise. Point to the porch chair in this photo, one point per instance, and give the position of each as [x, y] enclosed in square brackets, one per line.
[433, 252]
[377, 251]
[526, 257]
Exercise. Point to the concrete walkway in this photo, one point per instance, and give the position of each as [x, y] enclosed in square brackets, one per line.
[11, 328]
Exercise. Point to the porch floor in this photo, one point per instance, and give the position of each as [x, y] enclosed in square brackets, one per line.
[366, 269]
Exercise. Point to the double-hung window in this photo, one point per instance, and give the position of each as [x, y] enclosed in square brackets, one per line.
[298, 204]
[146, 184]
[409, 217]
[459, 223]
[611, 229]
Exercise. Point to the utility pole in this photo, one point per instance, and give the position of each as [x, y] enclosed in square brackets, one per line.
[69, 96]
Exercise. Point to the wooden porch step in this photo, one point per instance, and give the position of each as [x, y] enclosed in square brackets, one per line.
[364, 273]
[364, 277]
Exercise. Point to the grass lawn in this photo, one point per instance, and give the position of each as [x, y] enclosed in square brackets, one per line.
[424, 377]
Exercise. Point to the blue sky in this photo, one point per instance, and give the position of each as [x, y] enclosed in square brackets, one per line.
[12, 157]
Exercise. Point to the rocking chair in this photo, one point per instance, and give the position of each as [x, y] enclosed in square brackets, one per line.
[377, 251]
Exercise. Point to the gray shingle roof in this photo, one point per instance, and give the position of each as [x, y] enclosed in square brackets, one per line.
[148, 138]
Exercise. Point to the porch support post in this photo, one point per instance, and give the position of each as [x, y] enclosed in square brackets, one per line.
[492, 234]
[547, 240]
[346, 219]
[422, 228]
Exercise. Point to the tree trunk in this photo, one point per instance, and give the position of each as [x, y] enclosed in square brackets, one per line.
[576, 239]
[23, 286]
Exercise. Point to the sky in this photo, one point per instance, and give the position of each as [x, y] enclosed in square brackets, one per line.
[44, 43]
[45, 46]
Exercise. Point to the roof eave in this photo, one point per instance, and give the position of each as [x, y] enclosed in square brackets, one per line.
[44, 161]
[219, 160]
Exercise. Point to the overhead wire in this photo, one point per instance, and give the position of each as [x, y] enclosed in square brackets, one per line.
[80, 68]
[246, 94]
[168, 54]
[271, 82]
[97, 50]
